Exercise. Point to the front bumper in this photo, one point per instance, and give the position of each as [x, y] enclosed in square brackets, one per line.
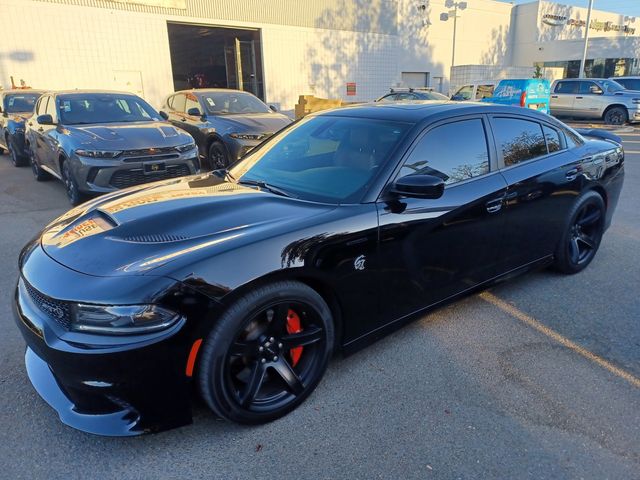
[238, 148]
[634, 114]
[115, 386]
[99, 175]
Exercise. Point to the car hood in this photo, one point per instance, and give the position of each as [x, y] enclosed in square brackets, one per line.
[253, 123]
[129, 136]
[135, 231]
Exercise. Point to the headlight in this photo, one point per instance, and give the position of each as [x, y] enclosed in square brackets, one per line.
[186, 147]
[248, 136]
[98, 153]
[121, 320]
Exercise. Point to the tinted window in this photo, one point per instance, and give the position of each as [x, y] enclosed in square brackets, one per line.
[454, 152]
[567, 87]
[15, 103]
[219, 103]
[178, 102]
[388, 98]
[585, 88]
[406, 96]
[519, 140]
[80, 108]
[324, 158]
[630, 83]
[572, 138]
[484, 91]
[553, 139]
[433, 96]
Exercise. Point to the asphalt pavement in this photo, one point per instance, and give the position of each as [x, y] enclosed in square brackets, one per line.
[537, 378]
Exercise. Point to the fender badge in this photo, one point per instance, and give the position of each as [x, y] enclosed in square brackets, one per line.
[358, 263]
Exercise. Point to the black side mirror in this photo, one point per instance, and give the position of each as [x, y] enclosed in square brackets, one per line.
[45, 119]
[419, 186]
[194, 112]
[164, 114]
[273, 108]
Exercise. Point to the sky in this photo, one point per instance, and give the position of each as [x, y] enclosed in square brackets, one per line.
[625, 7]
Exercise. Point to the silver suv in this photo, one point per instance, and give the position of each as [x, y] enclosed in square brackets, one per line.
[595, 98]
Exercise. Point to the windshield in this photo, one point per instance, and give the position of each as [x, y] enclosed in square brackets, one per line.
[220, 103]
[327, 159]
[434, 96]
[20, 102]
[610, 86]
[79, 109]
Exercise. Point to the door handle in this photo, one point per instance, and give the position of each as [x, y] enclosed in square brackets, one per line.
[554, 96]
[41, 129]
[495, 205]
[572, 174]
[579, 98]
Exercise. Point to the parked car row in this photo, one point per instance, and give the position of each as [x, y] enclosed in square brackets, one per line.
[100, 141]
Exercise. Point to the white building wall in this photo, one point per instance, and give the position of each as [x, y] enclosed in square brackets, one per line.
[426, 42]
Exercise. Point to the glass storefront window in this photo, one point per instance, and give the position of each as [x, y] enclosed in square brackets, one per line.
[598, 67]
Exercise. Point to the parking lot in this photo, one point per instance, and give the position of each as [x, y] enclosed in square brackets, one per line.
[536, 378]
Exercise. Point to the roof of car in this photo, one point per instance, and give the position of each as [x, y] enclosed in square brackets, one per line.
[85, 92]
[416, 111]
[21, 90]
[212, 90]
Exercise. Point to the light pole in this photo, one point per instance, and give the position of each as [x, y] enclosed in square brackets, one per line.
[453, 13]
[586, 40]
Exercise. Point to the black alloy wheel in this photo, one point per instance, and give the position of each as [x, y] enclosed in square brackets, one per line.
[39, 174]
[70, 185]
[16, 159]
[218, 156]
[616, 116]
[583, 234]
[267, 353]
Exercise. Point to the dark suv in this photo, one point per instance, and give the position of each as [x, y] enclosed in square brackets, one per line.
[16, 107]
[96, 142]
[225, 123]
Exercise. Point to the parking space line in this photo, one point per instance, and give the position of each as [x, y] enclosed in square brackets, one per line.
[535, 324]
[632, 151]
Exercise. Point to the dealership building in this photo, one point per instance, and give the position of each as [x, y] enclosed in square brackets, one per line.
[279, 49]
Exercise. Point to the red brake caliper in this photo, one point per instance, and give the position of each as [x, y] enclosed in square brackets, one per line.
[294, 326]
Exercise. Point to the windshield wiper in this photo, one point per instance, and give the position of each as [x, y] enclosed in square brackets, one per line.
[266, 186]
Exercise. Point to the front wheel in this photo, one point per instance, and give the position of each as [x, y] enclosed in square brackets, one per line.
[218, 156]
[71, 186]
[38, 173]
[616, 116]
[267, 353]
[582, 235]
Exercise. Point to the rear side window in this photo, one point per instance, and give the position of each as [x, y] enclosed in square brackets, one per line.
[454, 152]
[484, 91]
[553, 139]
[567, 87]
[519, 140]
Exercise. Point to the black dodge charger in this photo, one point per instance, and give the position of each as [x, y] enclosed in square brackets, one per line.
[241, 283]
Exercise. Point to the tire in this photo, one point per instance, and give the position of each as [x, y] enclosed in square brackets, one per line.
[71, 186]
[16, 159]
[616, 116]
[582, 234]
[38, 173]
[218, 156]
[248, 372]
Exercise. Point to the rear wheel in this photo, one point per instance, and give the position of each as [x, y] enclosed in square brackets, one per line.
[582, 235]
[17, 160]
[616, 116]
[267, 353]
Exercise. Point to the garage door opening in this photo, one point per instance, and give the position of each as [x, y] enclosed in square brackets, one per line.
[215, 57]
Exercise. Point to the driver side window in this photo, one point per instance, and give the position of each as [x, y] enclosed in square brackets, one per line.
[454, 151]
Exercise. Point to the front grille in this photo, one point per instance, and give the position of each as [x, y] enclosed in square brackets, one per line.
[148, 158]
[136, 176]
[57, 310]
[147, 152]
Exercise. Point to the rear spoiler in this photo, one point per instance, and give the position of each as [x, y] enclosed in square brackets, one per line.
[599, 134]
